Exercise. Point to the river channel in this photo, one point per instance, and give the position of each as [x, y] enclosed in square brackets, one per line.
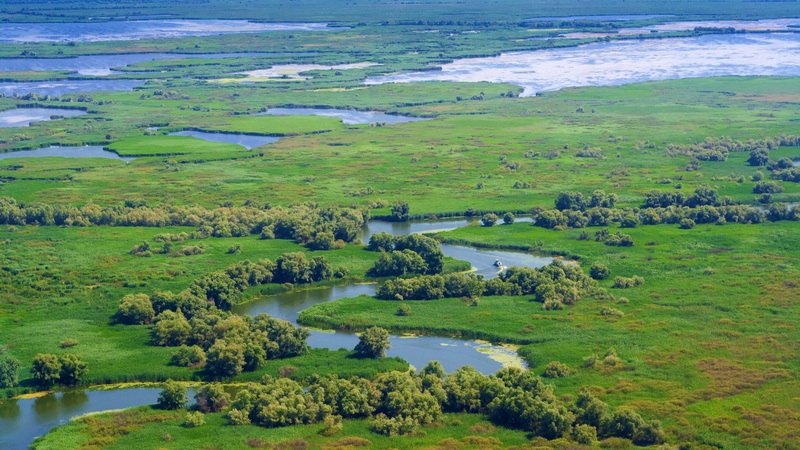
[24, 419]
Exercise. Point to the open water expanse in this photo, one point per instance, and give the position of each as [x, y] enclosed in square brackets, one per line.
[624, 62]
[129, 30]
[245, 140]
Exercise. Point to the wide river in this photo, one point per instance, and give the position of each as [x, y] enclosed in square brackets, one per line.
[24, 419]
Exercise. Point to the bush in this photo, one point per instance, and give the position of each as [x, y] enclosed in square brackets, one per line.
[234, 249]
[404, 310]
[687, 224]
[135, 309]
[68, 343]
[373, 343]
[194, 419]
[238, 417]
[172, 396]
[73, 369]
[555, 369]
[607, 311]
[767, 187]
[187, 356]
[488, 220]
[584, 434]
[625, 283]
[599, 271]
[212, 398]
[9, 371]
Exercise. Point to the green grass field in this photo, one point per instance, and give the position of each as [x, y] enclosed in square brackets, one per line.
[708, 344]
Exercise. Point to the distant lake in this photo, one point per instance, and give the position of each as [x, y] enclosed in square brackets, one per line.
[101, 65]
[140, 29]
[68, 86]
[245, 140]
[87, 151]
[22, 117]
[623, 62]
[347, 116]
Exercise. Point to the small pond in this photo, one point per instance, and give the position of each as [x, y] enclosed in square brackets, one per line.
[139, 29]
[245, 140]
[23, 117]
[87, 151]
[347, 116]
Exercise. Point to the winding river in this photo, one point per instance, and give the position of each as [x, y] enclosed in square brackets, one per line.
[24, 419]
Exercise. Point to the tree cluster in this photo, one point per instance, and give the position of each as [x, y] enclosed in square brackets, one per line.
[303, 223]
[50, 369]
[554, 285]
[413, 253]
[399, 403]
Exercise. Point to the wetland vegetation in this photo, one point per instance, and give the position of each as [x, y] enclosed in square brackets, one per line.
[632, 233]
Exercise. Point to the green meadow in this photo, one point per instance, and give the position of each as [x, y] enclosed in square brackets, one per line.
[707, 345]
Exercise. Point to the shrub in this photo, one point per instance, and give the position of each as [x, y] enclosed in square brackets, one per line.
[489, 220]
[46, 370]
[599, 271]
[234, 249]
[172, 396]
[238, 417]
[404, 310]
[687, 224]
[287, 371]
[373, 343]
[9, 371]
[624, 283]
[584, 434]
[212, 398]
[68, 343]
[555, 369]
[194, 419]
[73, 369]
[187, 356]
[508, 218]
[608, 311]
[135, 309]
[767, 187]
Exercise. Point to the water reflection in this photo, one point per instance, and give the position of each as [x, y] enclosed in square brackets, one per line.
[245, 140]
[86, 151]
[23, 117]
[347, 116]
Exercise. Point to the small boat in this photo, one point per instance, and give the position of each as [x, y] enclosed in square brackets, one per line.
[497, 263]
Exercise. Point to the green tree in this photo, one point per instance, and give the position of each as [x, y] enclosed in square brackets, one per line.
[373, 343]
[135, 309]
[171, 329]
[172, 396]
[212, 398]
[9, 371]
[225, 359]
[489, 220]
[599, 271]
[400, 211]
[73, 369]
[46, 369]
[508, 218]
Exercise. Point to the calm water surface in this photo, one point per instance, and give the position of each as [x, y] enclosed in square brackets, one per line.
[347, 116]
[623, 62]
[87, 151]
[23, 117]
[245, 140]
[101, 65]
[140, 29]
[24, 420]
[68, 86]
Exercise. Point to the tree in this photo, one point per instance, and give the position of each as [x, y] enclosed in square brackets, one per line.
[46, 370]
[758, 157]
[225, 359]
[73, 369]
[570, 200]
[9, 371]
[135, 309]
[399, 211]
[171, 329]
[322, 241]
[381, 242]
[172, 396]
[489, 220]
[599, 271]
[212, 398]
[373, 343]
[186, 356]
[508, 218]
[767, 187]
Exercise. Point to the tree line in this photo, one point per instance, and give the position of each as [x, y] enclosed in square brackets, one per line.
[304, 223]
[554, 285]
[398, 403]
